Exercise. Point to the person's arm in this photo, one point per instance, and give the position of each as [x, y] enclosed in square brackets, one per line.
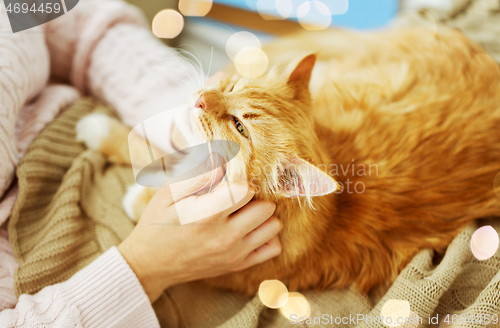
[106, 49]
[106, 293]
[8, 265]
[61, 50]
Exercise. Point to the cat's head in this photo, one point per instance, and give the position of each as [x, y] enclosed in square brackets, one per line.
[270, 118]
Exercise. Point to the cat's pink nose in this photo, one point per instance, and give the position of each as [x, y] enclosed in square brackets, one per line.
[201, 103]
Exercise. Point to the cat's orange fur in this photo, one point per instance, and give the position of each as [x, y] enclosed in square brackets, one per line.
[422, 109]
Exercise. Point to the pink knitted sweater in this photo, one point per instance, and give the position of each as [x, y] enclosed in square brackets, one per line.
[102, 48]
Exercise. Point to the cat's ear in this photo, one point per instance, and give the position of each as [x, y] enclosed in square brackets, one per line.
[300, 178]
[301, 75]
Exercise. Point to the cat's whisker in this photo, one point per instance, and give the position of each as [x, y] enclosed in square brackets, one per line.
[197, 72]
[189, 88]
[192, 61]
[195, 61]
[194, 85]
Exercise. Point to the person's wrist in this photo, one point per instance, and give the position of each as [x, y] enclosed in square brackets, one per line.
[153, 287]
[153, 283]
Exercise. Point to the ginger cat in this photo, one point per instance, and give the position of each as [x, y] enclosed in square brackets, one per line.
[407, 122]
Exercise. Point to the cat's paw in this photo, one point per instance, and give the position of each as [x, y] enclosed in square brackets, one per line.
[130, 200]
[92, 129]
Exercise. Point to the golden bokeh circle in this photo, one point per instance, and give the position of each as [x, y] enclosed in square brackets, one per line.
[273, 293]
[297, 305]
[240, 40]
[195, 7]
[167, 24]
[251, 62]
[395, 309]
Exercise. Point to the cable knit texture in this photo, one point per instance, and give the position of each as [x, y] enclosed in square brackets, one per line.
[105, 294]
[68, 212]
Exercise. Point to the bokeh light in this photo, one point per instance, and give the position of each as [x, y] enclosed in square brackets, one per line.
[240, 40]
[284, 8]
[395, 309]
[314, 15]
[484, 243]
[167, 24]
[195, 7]
[337, 7]
[273, 293]
[274, 9]
[251, 4]
[251, 62]
[266, 9]
[297, 304]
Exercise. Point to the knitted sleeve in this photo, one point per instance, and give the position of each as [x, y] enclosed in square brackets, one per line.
[106, 49]
[24, 71]
[106, 293]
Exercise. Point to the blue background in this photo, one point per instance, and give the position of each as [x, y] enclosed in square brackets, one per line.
[362, 14]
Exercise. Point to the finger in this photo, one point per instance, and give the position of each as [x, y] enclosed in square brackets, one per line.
[217, 205]
[213, 173]
[252, 215]
[265, 232]
[265, 252]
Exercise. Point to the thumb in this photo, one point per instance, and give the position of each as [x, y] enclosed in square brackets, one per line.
[204, 176]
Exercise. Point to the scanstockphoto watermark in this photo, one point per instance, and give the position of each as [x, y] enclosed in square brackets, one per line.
[449, 319]
[355, 320]
[348, 176]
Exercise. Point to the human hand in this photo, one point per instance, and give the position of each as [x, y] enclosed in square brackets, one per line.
[163, 255]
